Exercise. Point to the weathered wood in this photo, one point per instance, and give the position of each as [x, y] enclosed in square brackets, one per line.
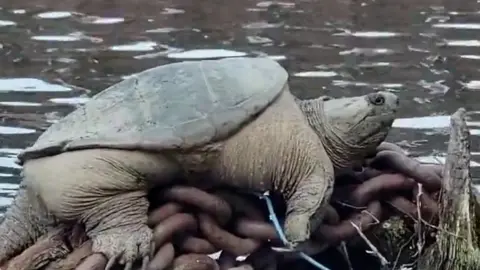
[48, 248]
[61, 248]
[457, 245]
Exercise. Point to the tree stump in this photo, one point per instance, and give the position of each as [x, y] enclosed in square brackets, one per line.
[457, 245]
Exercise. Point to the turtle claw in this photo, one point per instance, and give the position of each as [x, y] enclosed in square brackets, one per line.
[124, 247]
[152, 249]
[285, 249]
[291, 247]
[128, 266]
[111, 262]
[145, 262]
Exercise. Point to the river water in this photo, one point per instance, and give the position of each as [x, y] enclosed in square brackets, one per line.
[54, 55]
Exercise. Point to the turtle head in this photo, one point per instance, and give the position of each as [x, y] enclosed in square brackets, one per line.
[351, 128]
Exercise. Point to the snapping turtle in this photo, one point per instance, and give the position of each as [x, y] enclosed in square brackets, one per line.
[232, 121]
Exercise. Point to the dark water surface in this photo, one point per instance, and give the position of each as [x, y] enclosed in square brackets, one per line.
[55, 54]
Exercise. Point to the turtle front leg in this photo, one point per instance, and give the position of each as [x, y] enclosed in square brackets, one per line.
[306, 206]
[25, 221]
[118, 229]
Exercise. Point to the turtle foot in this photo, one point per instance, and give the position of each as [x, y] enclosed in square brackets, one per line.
[297, 231]
[124, 246]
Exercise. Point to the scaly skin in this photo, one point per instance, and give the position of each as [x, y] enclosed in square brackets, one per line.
[291, 148]
[24, 222]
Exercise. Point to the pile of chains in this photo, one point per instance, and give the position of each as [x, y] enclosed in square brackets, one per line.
[190, 224]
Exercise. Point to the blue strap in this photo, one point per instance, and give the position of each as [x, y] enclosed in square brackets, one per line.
[281, 235]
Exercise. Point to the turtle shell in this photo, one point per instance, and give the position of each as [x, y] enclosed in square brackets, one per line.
[174, 106]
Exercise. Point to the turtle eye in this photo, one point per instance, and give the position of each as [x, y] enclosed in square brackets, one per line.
[376, 99]
[380, 100]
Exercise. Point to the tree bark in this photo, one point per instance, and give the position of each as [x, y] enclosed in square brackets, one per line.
[457, 245]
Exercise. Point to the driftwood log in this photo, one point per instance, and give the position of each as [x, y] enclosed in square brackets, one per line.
[457, 245]
[189, 224]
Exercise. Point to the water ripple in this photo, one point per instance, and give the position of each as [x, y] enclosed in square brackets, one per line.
[458, 25]
[367, 51]
[65, 38]
[262, 25]
[101, 20]
[317, 73]
[163, 30]
[205, 54]
[369, 34]
[425, 122]
[30, 85]
[141, 46]
[72, 100]
[19, 103]
[470, 56]
[7, 192]
[6, 23]
[441, 160]
[54, 15]
[463, 43]
[8, 157]
[343, 83]
[473, 84]
[266, 4]
[19, 11]
[15, 130]
[169, 11]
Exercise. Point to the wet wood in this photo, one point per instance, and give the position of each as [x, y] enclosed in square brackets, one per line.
[48, 248]
[457, 245]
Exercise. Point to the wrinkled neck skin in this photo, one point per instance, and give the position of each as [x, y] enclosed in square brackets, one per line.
[342, 152]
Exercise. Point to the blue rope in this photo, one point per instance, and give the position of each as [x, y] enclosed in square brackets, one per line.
[278, 228]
